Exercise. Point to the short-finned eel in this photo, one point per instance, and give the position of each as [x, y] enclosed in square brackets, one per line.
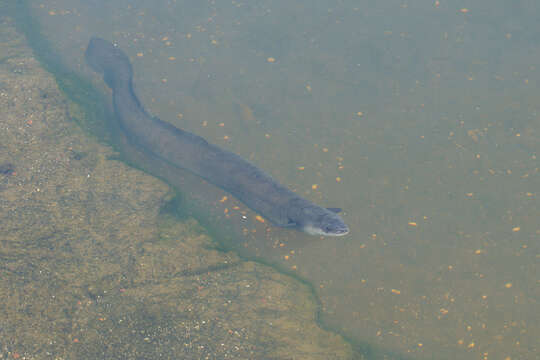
[220, 167]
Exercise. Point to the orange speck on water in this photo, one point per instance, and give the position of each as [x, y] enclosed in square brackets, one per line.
[165, 38]
[29, 122]
[225, 211]
[221, 124]
[301, 168]
[271, 59]
[508, 285]
[52, 12]
[172, 58]
[396, 291]
[516, 229]
[286, 257]
[164, 80]
[314, 186]
[180, 115]
[412, 223]
[205, 123]
[338, 179]
[325, 149]
[464, 10]
[223, 199]
[75, 340]
[359, 113]
[140, 54]
[259, 218]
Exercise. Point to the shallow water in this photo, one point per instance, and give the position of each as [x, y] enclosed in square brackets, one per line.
[419, 120]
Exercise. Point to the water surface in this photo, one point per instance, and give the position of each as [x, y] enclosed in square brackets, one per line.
[419, 119]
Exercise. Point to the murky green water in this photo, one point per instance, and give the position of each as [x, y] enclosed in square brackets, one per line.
[419, 119]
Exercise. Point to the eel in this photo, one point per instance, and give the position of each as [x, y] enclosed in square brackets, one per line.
[222, 168]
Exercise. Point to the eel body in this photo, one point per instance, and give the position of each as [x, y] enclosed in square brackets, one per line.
[222, 168]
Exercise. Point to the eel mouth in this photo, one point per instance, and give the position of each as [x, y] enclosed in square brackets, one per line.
[339, 231]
